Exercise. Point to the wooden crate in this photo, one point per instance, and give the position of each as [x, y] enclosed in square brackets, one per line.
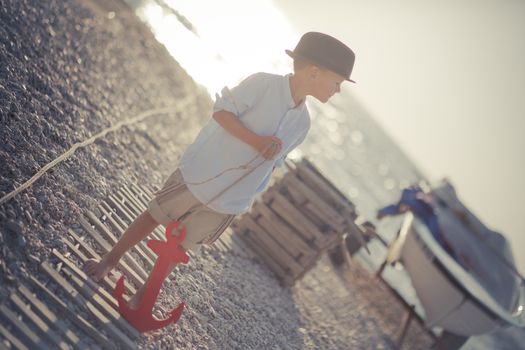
[300, 216]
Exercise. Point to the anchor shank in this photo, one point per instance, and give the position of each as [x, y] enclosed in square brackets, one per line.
[154, 283]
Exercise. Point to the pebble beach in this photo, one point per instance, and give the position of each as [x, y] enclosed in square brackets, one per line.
[69, 70]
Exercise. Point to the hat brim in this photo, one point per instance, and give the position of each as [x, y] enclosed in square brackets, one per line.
[294, 56]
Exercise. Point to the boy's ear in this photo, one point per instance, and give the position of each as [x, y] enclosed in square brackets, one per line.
[314, 71]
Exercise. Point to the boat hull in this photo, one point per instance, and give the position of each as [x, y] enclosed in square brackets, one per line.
[446, 302]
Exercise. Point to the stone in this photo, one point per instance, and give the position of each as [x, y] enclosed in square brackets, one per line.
[21, 241]
[14, 226]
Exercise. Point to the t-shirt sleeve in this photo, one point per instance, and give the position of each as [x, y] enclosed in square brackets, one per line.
[241, 98]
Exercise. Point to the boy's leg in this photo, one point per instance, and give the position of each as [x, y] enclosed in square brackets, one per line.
[141, 227]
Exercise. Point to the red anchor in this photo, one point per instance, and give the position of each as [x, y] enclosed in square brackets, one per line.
[168, 252]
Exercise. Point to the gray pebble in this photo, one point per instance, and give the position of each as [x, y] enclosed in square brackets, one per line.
[14, 227]
[11, 213]
[21, 241]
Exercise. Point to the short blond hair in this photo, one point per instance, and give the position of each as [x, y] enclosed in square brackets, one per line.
[300, 64]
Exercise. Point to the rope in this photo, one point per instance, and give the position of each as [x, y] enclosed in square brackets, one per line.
[199, 207]
[69, 153]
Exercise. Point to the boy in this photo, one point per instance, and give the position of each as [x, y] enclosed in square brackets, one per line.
[253, 127]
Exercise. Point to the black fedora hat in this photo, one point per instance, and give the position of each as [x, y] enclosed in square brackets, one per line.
[325, 51]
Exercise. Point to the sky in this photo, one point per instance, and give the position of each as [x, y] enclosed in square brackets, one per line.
[446, 79]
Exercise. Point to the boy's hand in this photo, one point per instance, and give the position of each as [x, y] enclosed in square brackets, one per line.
[268, 146]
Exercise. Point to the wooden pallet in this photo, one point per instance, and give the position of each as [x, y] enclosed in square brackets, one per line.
[297, 219]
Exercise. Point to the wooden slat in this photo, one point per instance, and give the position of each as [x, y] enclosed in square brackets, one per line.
[280, 230]
[44, 330]
[223, 244]
[254, 243]
[219, 246]
[323, 222]
[122, 204]
[107, 324]
[78, 320]
[128, 202]
[86, 247]
[139, 248]
[304, 255]
[293, 216]
[136, 204]
[149, 190]
[30, 337]
[120, 226]
[111, 217]
[92, 254]
[313, 178]
[75, 248]
[299, 201]
[143, 189]
[14, 341]
[103, 244]
[128, 265]
[122, 212]
[226, 238]
[106, 281]
[307, 164]
[82, 293]
[101, 304]
[307, 267]
[94, 286]
[118, 204]
[141, 195]
[124, 219]
[131, 201]
[127, 205]
[158, 232]
[240, 246]
[274, 249]
[287, 243]
[328, 213]
[99, 226]
[113, 208]
[49, 316]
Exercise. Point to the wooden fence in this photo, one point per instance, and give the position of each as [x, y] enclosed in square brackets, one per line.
[60, 307]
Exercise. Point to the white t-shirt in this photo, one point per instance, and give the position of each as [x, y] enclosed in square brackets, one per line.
[264, 104]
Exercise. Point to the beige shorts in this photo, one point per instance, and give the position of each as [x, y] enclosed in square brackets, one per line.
[204, 226]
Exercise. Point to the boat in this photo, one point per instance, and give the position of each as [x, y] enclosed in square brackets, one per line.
[480, 296]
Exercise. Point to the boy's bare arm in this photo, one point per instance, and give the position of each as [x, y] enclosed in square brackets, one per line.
[263, 144]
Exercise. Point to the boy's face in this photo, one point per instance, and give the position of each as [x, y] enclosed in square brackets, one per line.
[326, 84]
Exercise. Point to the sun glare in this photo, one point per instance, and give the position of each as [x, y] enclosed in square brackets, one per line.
[250, 39]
